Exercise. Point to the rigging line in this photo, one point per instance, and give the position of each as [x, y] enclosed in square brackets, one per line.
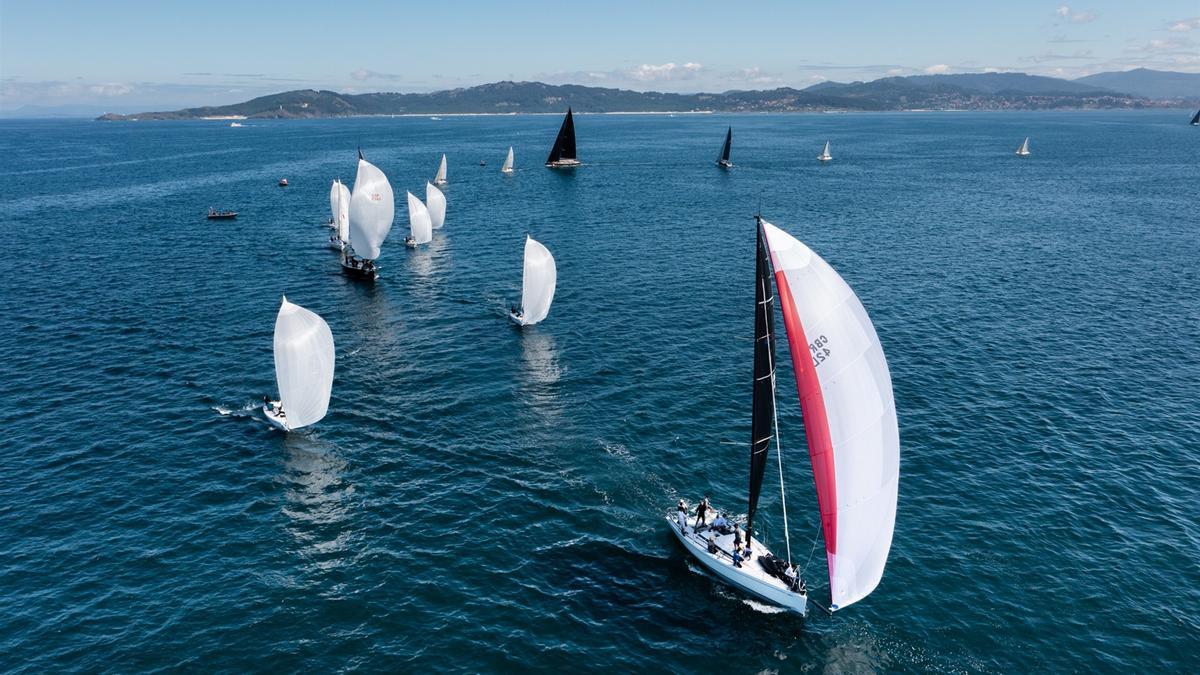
[816, 537]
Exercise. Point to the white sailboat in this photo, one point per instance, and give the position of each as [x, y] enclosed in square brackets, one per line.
[850, 424]
[419, 224]
[825, 156]
[372, 209]
[304, 360]
[435, 201]
[1023, 151]
[538, 280]
[440, 178]
[339, 221]
[508, 162]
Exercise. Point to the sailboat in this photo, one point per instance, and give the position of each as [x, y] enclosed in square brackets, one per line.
[538, 279]
[419, 223]
[1023, 151]
[507, 167]
[825, 156]
[440, 178]
[1195, 122]
[723, 160]
[562, 155]
[339, 207]
[850, 423]
[304, 361]
[435, 201]
[372, 209]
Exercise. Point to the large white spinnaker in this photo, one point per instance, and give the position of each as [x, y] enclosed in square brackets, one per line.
[371, 210]
[537, 282]
[435, 201]
[440, 178]
[508, 162]
[342, 218]
[419, 224]
[849, 414]
[303, 364]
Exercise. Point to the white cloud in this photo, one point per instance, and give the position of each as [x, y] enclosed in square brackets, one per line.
[1065, 12]
[1184, 25]
[895, 71]
[939, 69]
[362, 74]
[667, 71]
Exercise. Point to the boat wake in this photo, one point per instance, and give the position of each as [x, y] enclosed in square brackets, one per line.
[244, 411]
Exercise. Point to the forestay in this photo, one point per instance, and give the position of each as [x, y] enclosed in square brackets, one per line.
[371, 210]
[537, 282]
[435, 201]
[419, 224]
[304, 361]
[849, 414]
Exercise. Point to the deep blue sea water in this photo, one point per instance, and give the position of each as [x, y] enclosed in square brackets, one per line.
[484, 498]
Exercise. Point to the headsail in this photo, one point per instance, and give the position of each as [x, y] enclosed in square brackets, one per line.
[564, 144]
[762, 420]
[343, 212]
[1196, 119]
[420, 226]
[849, 414]
[304, 361]
[435, 201]
[371, 210]
[440, 178]
[508, 162]
[537, 282]
[724, 158]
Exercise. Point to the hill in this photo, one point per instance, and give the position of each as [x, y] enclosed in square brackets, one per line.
[1156, 84]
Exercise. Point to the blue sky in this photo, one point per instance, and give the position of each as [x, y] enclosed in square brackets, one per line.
[136, 55]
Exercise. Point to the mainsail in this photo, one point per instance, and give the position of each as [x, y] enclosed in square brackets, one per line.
[1196, 119]
[537, 282]
[342, 210]
[564, 145]
[371, 210]
[440, 178]
[435, 201]
[420, 226]
[849, 414]
[724, 158]
[762, 418]
[825, 153]
[508, 162]
[304, 361]
[1024, 149]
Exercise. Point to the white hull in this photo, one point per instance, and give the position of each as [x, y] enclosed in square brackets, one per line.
[275, 420]
[517, 319]
[749, 578]
[1022, 154]
[724, 164]
[825, 158]
[509, 171]
[564, 164]
[440, 181]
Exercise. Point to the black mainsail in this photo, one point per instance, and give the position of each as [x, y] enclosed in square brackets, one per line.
[563, 152]
[1196, 119]
[762, 418]
[724, 159]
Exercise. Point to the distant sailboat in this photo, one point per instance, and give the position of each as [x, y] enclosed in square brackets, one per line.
[562, 155]
[304, 360]
[723, 160]
[1023, 151]
[1195, 120]
[339, 207]
[372, 209]
[850, 424]
[538, 279]
[508, 162]
[419, 223]
[435, 201]
[234, 124]
[440, 178]
[825, 156]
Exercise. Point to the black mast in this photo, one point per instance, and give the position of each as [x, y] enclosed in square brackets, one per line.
[564, 145]
[762, 419]
[725, 150]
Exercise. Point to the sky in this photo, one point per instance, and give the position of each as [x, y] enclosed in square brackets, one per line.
[132, 56]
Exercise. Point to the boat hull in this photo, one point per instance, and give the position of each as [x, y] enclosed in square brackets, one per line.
[564, 164]
[360, 273]
[337, 244]
[516, 319]
[750, 578]
[275, 420]
[725, 164]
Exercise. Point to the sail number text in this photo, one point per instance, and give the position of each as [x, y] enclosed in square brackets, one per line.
[819, 348]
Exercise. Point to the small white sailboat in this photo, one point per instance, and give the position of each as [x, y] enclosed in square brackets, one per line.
[845, 393]
[235, 125]
[825, 156]
[538, 280]
[1023, 151]
[339, 207]
[419, 224]
[440, 178]
[372, 209]
[435, 201]
[304, 360]
[508, 162]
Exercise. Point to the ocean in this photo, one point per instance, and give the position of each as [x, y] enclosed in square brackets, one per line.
[485, 498]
